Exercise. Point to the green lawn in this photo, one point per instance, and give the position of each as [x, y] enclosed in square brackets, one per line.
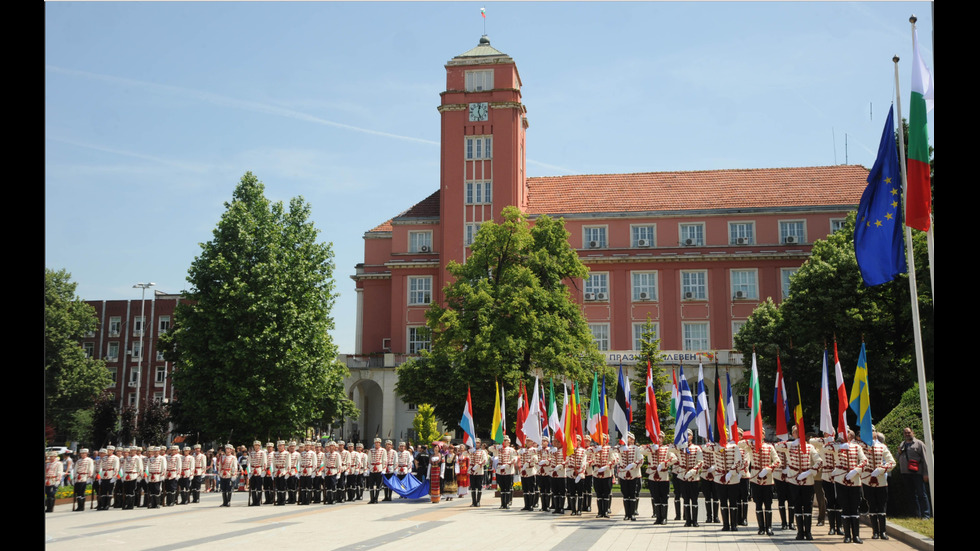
[925, 527]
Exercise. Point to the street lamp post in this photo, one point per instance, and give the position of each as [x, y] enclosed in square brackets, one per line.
[139, 364]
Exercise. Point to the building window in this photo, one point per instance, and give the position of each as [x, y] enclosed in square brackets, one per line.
[737, 326]
[420, 242]
[638, 334]
[112, 376]
[785, 275]
[160, 375]
[158, 397]
[644, 286]
[597, 286]
[643, 236]
[419, 290]
[113, 352]
[594, 237]
[114, 324]
[695, 336]
[792, 231]
[692, 234]
[478, 193]
[479, 81]
[138, 326]
[694, 285]
[600, 335]
[164, 324]
[418, 339]
[133, 376]
[412, 407]
[137, 349]
[131, 399]
[471, 230]
[741, 233]
[745, 285]
[89, 349]
[743, 401]
[160, 357]
[836, 224]
[479, 147]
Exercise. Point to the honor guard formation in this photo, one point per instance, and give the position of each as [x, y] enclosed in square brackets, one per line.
[552, 480]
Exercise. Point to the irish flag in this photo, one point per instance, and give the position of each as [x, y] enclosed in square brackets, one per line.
[918, 198]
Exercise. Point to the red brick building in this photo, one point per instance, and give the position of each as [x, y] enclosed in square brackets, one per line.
[695, 252]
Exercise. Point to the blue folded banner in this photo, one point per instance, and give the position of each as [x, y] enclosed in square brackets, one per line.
[409, 486]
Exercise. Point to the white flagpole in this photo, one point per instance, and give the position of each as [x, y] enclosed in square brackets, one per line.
[916, 328]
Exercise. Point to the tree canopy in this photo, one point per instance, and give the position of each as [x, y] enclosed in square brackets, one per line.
[507, 314]
[252, 354]
[72, 381]
[651, 355]
[828, 300]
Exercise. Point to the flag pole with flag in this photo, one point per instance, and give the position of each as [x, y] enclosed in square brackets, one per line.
[621, 408]
[721, 423]
[860, 400]
[521, 414]
[755, 403]
[685, 411]
[532, 424]
[701, 410]
[730, 411]
[466, 423]
[782, 406]
[497, 425]
[595, 421]
[554, 424]
[826, 419]
[653, 418]
[841, 398]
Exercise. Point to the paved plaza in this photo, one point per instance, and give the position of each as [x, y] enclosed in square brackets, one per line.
[406, 524]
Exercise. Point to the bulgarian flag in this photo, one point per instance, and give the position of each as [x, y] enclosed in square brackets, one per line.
[755, 402]
[497, 426]
[918, 196]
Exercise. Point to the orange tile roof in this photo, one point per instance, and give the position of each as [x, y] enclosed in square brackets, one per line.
[710, 189]
[426, 208]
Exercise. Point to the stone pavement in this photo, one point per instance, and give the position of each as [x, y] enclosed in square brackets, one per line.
[407, 524]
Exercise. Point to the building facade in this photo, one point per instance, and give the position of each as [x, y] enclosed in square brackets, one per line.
[126, 339]
[693, 253]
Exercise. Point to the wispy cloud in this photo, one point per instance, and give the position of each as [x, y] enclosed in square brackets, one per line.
[234, 103]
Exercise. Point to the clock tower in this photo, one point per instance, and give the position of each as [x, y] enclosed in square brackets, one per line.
[483, 155]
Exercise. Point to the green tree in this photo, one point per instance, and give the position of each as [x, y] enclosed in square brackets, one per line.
[72, 381]
[127, 425]
[828, 299]
[154, 423]
[251, 345]
[650, 354]
[507, 313]
[105, 421]
[425, 425]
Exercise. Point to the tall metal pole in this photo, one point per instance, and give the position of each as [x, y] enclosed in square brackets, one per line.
[139, 364]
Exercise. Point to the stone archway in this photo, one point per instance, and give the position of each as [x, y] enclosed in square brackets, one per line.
[368, 397]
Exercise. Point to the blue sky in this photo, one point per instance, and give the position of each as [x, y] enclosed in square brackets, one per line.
[154, 110]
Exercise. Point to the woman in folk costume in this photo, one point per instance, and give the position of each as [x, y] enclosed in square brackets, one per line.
[449, 486]
[462, 470]
[436, 467]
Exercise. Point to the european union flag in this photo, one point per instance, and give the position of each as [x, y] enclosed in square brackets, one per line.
[879, 242]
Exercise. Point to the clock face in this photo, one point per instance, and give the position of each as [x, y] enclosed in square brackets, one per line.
[479, 111]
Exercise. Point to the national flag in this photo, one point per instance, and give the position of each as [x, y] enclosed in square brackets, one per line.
[918, 196]
[653, 418]
[466, 423]
[720, 423]
[532, 425]
[497, 424]
[730, 409]
[483, 12]
[879, 239]
[554, 424]
[782, 405]
[675, 395]
[826, 419]
[798, 416]
[755, 403]
[860, 398]
[685, 411]
[629, 392]
[567, 430]
[543, 407]
[503, 410]
[841, 398]
[702, 412]
[604, 409]
[595, 420]
[621, 408]
[521, 415]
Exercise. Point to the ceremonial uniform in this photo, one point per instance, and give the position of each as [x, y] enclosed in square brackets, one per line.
[227, 469]
[200, 467]
[802, 463]
[746, 444]
[709, 483]
[729, 463]
[828, 470]
[362, 471]
[543, 479]
[851, 462]
[506, 463]
[391, 462]
[132, 469]
[377, 462]
[557, 464]
[345, 467]
[186, 474]
[292, 480]
[874, 480]
[282, 464]
[528, 461]
[331, 472]
[576, 464]
[156, 468]
[306, 469]
[258, 466]
[786, 516]
[765, 462]
[603, 462]
[108, 472]
[660, 459]
[174, 466]
[84, 473]
[318, 474]
[690, 460]
[630, 477]
[54, 471]
[478, 464]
